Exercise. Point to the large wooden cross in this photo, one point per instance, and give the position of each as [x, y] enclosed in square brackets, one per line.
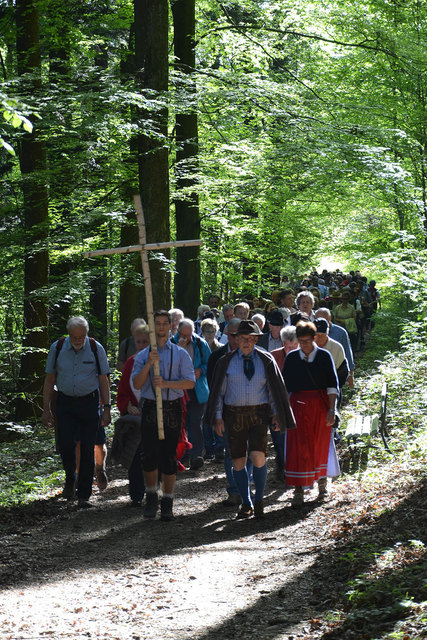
[143, 247]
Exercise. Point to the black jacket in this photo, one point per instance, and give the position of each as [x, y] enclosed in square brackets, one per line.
[213, 359]
[274, 380]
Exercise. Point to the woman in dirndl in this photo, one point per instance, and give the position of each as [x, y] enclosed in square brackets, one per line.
[311, 380]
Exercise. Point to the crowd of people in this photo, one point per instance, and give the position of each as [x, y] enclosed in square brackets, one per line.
[227, 379]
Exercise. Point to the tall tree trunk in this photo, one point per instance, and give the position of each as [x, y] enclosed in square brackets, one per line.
[132, 299]
[98, 303]
[187, 278]
[32, 160]
[60, 163]
[132, 303]
[151, 59]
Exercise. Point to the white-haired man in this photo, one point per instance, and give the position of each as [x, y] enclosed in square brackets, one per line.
[78, 367]
[247, 395]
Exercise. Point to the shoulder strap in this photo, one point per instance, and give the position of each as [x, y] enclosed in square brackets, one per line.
[59, 346]
[94, 350]
[170, 372]
[199, 344]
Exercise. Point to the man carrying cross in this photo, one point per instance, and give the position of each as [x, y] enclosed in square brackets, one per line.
[176, 374]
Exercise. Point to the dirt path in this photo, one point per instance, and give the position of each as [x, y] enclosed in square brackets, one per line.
[106, 573]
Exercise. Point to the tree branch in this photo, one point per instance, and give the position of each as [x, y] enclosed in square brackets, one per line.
[311, 36]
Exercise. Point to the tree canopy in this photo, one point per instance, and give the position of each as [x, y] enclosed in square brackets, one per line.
[281, 133]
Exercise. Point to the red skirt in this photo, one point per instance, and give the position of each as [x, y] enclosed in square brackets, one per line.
[307, 446]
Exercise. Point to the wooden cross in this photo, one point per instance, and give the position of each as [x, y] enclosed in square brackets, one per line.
[143, 247]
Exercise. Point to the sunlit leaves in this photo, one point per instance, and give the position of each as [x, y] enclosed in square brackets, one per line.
[14, 118]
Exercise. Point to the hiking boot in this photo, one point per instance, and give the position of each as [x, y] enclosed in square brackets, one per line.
[245, 511]
[151, 505]
[259, 509]
[298, 497]
[166, 514]
[322, 485]
[196, 463]
[69, 490]
[101, 477]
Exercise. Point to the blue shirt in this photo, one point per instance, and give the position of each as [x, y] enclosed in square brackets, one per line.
[238, 391]
[76, 371]
[200, 356]
[182, 369]
[340, 335]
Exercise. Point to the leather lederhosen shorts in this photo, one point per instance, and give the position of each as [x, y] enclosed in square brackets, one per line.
[246, 428]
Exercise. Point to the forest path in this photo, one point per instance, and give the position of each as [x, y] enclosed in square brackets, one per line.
[107, 573]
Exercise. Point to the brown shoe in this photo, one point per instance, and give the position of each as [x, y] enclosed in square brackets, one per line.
[245, 511]
[322, 485]
[101, 477]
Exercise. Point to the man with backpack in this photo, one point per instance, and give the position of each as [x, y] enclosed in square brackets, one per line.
[78, 367]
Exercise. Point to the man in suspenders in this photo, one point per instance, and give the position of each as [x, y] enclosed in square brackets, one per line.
[176, 374]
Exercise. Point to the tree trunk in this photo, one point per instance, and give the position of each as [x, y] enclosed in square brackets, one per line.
[151, 58]
[98, 304]
[131, 298]
[60, 162]
[32, 158]
[187, 278]
[132, 304]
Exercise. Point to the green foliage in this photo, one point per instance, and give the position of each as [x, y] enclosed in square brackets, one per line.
[10, 110]
[311, 144]
[29, 469]
[386, 568]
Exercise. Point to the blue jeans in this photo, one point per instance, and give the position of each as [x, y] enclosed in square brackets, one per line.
[214, 444]
[278, 440]
[193, 426]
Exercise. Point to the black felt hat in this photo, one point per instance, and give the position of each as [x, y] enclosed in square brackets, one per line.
[248, 328]
[322, 325]
[275, 318]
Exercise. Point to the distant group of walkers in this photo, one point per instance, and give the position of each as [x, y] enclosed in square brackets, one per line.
[237, 372]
